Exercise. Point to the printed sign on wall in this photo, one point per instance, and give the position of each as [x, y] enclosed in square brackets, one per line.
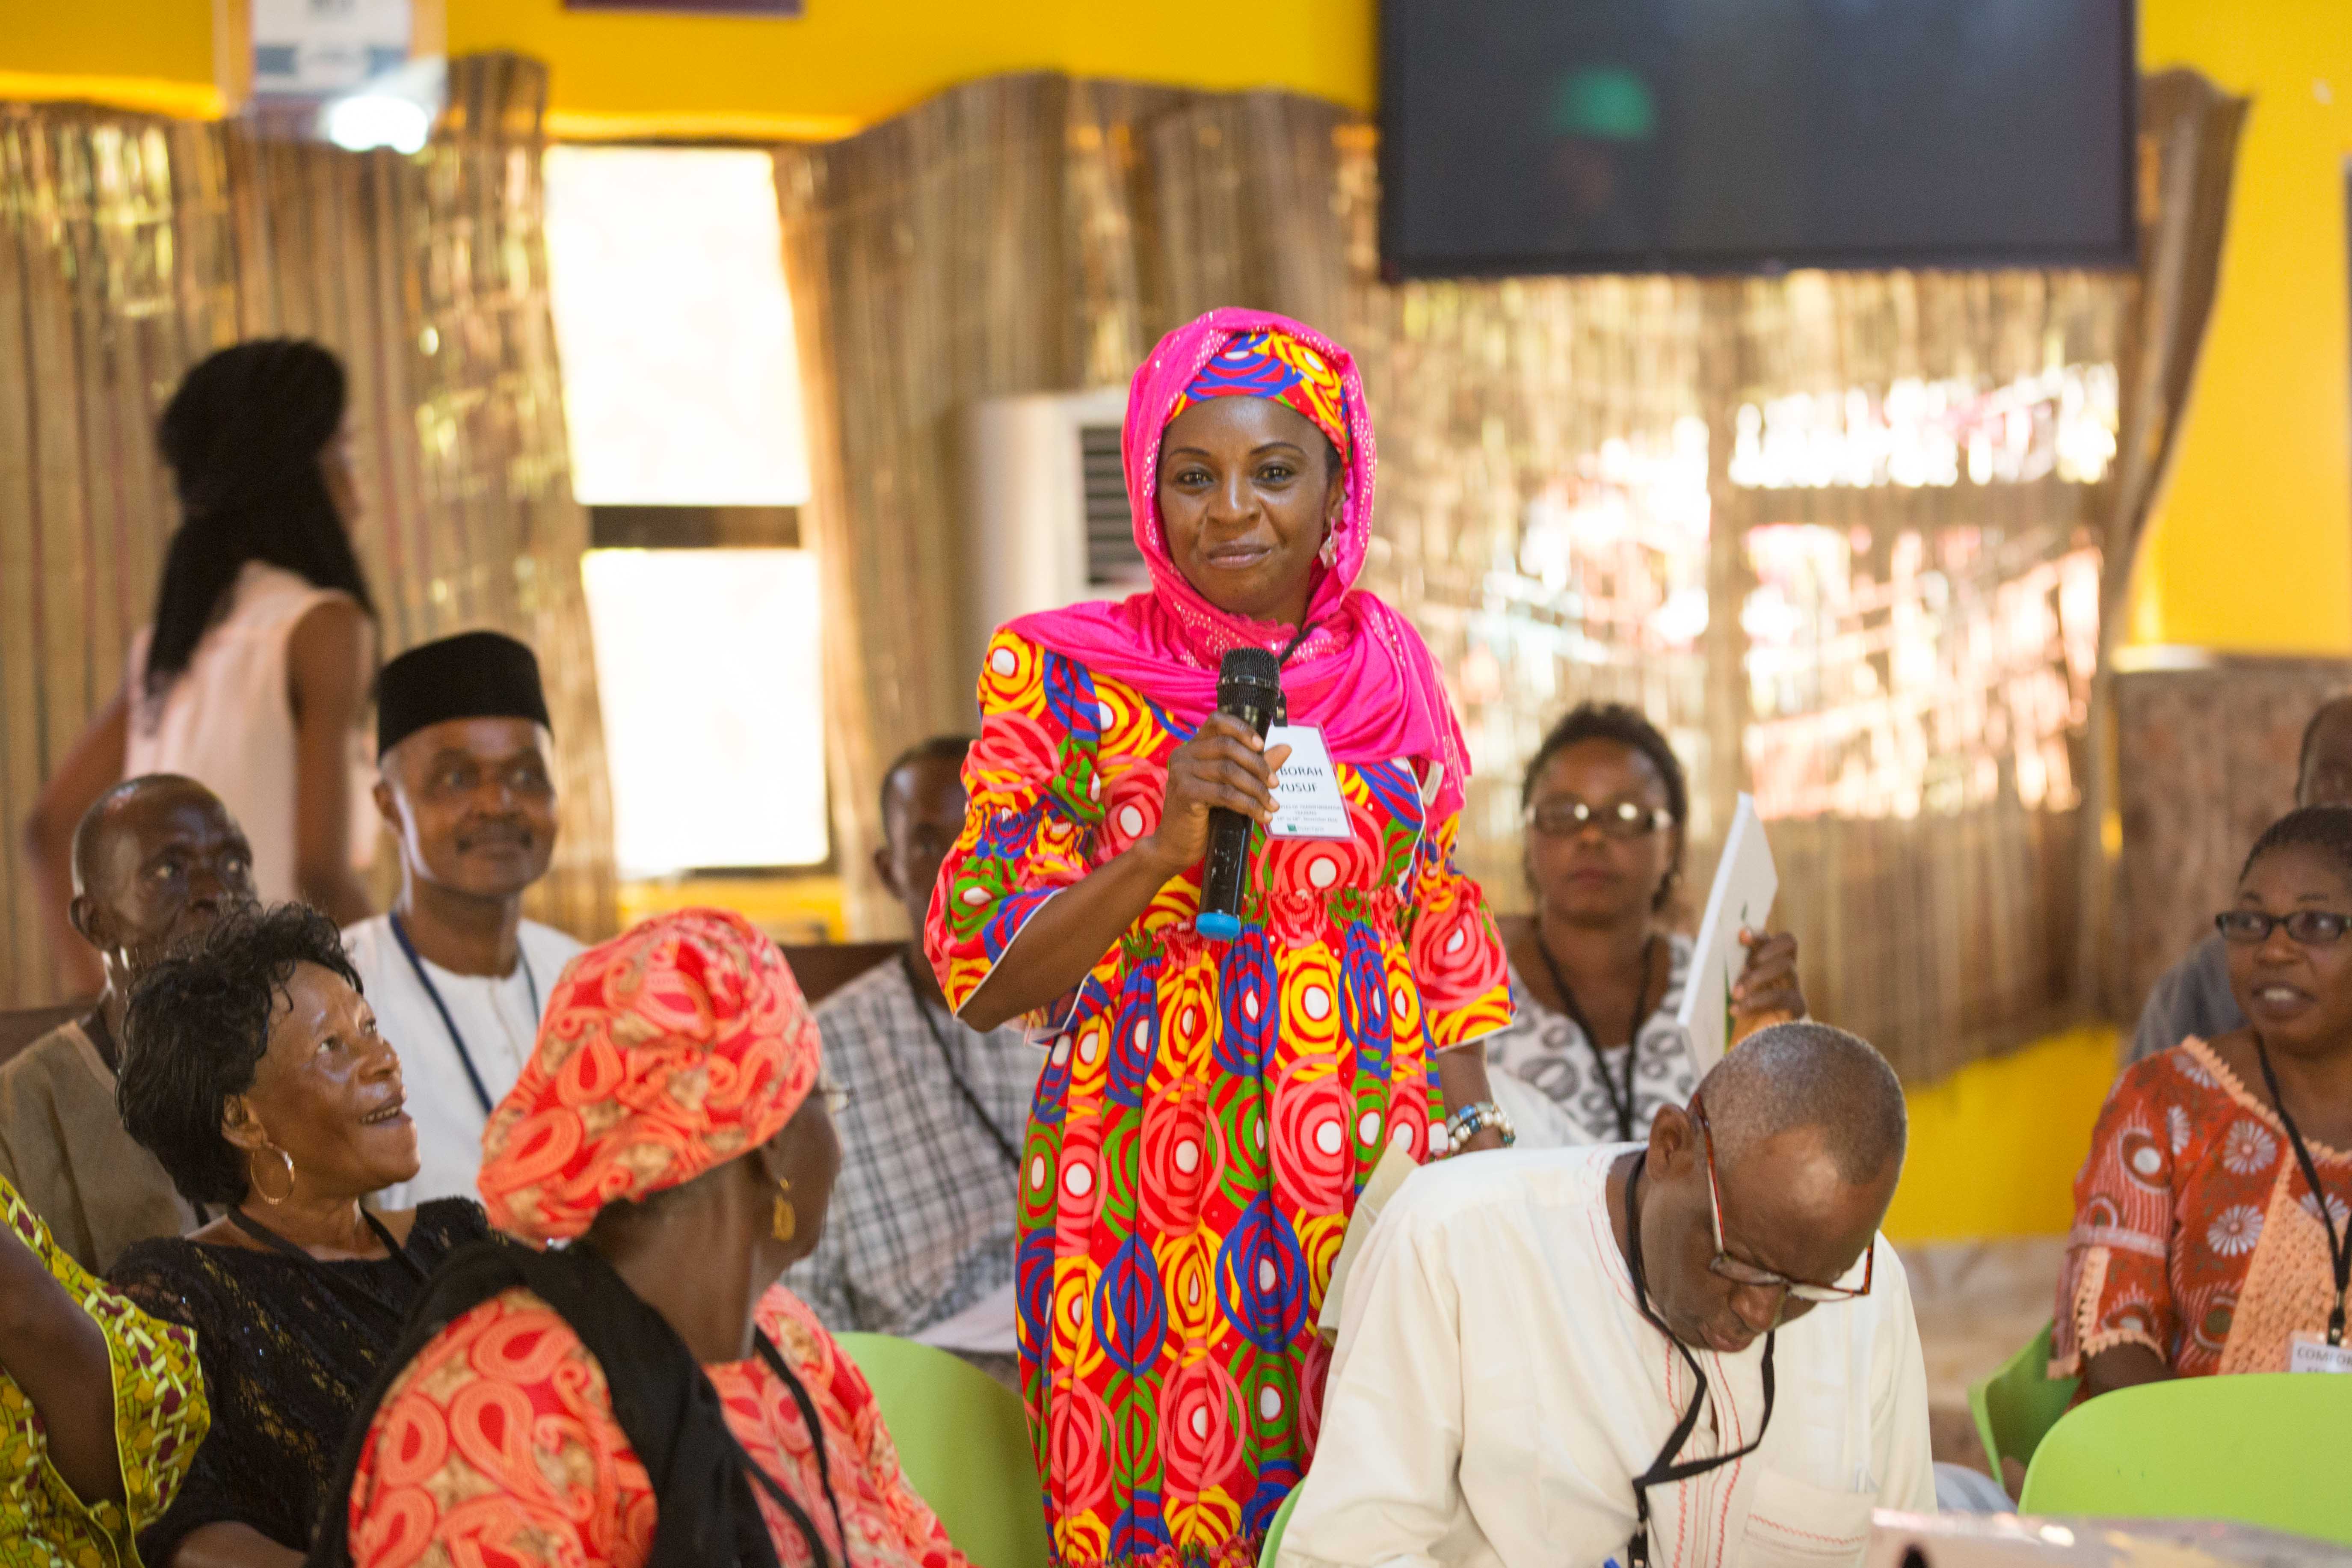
[315, 48]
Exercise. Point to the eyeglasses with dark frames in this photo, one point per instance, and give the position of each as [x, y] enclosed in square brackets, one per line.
[1565, 817]
[1748, 1276]
[2308, 928]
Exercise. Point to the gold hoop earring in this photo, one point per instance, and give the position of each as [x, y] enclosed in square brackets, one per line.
[787, 1221]
[252, 1177]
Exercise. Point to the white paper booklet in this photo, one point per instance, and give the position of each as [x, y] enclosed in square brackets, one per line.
[1745, 883]
[990, 1324]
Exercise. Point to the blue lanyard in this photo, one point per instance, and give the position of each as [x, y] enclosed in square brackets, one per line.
[464, 1056]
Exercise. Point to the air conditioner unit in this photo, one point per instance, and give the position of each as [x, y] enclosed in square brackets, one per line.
[1046, 502]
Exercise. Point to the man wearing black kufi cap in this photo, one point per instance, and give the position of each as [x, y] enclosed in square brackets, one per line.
[455, 975]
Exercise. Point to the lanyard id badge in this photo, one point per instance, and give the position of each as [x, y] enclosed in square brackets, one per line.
[1306, 798]
[2312, 1352]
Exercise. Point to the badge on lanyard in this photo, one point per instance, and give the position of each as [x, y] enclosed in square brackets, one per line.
[1306, 799]
[2312, 1352]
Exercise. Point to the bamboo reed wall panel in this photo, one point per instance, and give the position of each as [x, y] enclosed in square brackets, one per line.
[134, 245]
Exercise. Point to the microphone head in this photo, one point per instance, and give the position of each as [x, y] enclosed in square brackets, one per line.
[1247, 671]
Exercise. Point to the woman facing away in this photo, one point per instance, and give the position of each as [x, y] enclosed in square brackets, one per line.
[253, 1072]
[648, 1394]
[2210, 1216]
[1598, 974]
[1208, 1111]
[253, 674]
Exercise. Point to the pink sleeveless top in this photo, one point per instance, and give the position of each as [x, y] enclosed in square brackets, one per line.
[228, 723]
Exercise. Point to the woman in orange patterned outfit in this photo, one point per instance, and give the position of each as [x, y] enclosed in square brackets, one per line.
[1209, 1110]
[665, 1125]
[2210, 1219]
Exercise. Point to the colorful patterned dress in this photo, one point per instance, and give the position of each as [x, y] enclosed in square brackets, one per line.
[2195, 1232]
[160, 1418]
[1207, 1113]
[498, 1446]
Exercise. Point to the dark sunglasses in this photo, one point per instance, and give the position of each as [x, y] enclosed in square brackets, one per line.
[2310, 928]
[1724, 1266]
[1564, 816]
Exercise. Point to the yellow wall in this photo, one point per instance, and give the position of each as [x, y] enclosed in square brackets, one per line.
[1994, 1148]
[850, 62]
[846, 64]
[2252, 548]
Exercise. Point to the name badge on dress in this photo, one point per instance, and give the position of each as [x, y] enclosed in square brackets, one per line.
[2312, 1352]
[1306, 799]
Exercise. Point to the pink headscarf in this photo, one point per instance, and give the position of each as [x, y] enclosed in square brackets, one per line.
[1362, 676]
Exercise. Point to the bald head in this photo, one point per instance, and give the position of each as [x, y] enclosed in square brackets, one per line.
[2323, 772]
[155, 860]
[1776, 1175]
[1809, 1075]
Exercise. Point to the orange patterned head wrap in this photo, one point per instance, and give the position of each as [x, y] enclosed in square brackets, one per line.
[673, 1048]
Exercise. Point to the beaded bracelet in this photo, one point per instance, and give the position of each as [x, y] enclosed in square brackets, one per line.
[1472, 1120]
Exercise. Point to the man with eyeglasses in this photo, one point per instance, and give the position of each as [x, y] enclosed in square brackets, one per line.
[2192, 998]
[1694, 1350]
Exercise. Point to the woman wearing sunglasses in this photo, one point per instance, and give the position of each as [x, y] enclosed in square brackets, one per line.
[1598, 971]
[2211, 1218]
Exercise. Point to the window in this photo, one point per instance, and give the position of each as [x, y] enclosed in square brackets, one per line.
[714, 727]
[666, 268]
[682, 392]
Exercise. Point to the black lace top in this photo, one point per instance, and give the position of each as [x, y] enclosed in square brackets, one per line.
[287, 1347]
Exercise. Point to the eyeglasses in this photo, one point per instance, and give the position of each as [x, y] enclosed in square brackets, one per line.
[2311, 928]
[1724, 1266]
[1564, 816]
[835, 1098]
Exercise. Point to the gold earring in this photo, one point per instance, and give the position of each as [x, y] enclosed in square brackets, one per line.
[787, 1222]
[253, 1176]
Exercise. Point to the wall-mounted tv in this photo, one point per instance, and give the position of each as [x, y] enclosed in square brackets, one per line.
[1521, 136]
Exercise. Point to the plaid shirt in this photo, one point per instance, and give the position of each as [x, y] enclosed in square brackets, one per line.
[921, 1222]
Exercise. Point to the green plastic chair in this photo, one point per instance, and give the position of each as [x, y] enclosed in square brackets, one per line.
[2016, 1406]
[964, 1445]
[2262, 1448]
[1281, 1523]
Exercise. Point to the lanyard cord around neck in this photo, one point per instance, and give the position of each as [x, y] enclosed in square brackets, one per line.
[2339, 1249]
[276, 1243]
[464, 1056]
[1620, 1104]
[1282, 662]
[768, 1483]
[1665, 1470]
[955, 1075]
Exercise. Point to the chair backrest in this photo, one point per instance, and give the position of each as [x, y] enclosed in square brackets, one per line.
[2264, 1448]
[964, 1445]
[1273, 1547]
[2016, 1406]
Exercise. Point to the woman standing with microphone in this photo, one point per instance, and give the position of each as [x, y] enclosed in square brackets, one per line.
[1209, 1110]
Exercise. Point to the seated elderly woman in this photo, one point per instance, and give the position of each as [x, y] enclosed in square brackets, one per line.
[2209, 1217]
[649, 1394]
[1597, 972]
[101, 1407]
[254, 1073]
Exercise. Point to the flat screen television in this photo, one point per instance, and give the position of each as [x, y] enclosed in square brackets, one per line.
[1521, 136]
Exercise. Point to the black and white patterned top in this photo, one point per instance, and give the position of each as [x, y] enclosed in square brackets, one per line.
[1545, 1050]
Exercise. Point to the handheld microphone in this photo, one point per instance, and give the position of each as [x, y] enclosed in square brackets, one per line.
[1249, 686]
